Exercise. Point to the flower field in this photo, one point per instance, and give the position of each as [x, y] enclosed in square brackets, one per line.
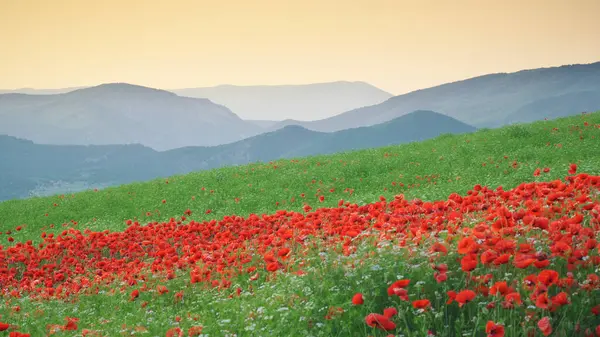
[494, 233]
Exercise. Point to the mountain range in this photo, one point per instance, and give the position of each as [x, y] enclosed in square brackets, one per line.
[28, 168]
[121, 114]
[272, 103]
[485, 101]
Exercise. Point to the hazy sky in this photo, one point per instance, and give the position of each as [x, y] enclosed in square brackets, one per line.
[396, 45]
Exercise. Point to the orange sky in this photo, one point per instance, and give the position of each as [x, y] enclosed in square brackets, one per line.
[396, 45]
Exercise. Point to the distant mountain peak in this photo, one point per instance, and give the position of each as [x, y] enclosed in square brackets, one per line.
[295, 127]
[425, 112]
[121, 113]
[122, 87]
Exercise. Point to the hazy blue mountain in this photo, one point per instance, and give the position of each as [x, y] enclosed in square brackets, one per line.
[303, 102]
[484, 101]
[556, 106]
[24, 165]
[27, 168]
[296, 141]
[121, 114]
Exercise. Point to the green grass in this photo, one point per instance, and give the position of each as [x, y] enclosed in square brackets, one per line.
[293, 305]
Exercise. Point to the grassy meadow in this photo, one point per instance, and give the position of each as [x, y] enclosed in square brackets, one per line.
[313, 246]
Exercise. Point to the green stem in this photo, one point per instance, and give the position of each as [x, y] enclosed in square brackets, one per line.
[408, 331]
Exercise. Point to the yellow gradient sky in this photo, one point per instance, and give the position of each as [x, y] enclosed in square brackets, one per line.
[396, 45]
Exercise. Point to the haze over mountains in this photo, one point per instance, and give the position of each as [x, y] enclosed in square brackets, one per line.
[279, 102]
[72, 168]
[485, 101]
[273, 102]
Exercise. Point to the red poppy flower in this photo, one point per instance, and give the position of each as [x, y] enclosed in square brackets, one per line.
[195, 331]
[511, 299]
[174, 332]
[134, 294]
[273, 266]
[357, 299]
[421, 304]
[500, 288]
[440, 277]
[596, 310]
[469, 262]
[467, 246]
[451, 296]
[401, 293]
[71, 323]
[494, 330]
[572, 168]
[390, 312]
[488, 256]
[542, 301]
[548, 277]
[465, 297]
[395, 287]
[18, 334]
[544, 325]
[439, 248]
[560, 299]
[380, 321]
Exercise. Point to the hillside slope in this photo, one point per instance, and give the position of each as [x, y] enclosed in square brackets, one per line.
[428, 170]
[79, 167]
[504, 218]
[485, 101]
[120, 114]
